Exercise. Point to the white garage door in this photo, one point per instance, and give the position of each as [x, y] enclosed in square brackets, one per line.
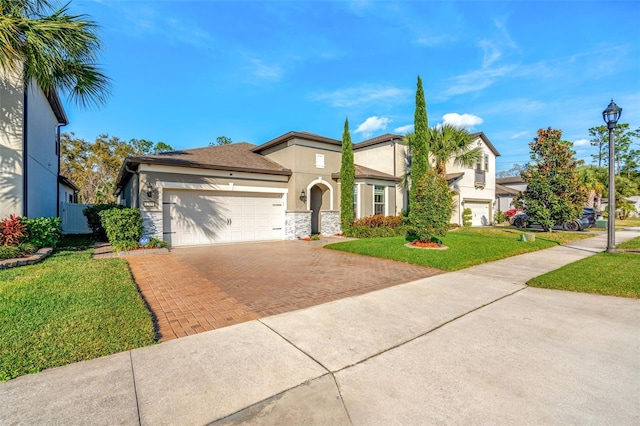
[210, 217]
[479, 213]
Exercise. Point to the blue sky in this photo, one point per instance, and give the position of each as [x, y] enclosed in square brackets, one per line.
[186, 72]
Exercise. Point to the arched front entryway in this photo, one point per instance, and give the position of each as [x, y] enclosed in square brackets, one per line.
[315, 204]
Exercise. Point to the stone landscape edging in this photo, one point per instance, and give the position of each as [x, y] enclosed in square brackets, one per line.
[30, 260]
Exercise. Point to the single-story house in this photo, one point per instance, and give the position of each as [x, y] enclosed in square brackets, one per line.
[30, 121]
[286, 188]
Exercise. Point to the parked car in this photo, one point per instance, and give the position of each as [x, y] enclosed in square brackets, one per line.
[588, 219]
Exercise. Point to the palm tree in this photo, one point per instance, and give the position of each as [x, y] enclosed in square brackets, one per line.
[448, 142]
[57, 50]
[592, 181]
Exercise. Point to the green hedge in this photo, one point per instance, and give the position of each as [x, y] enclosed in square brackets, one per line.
[382, 231]
[467, 217]
[92, 213]
[42, 231]
[123, 227]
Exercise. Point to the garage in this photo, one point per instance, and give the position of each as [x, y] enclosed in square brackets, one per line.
[479, 212]
[211, 217]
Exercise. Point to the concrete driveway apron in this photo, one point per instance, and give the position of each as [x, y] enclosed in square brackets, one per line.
[191, 290]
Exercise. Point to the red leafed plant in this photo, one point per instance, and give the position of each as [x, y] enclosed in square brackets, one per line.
[11, 231]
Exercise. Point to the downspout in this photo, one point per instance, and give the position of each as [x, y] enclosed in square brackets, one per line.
[59, 149]
[134, 173]
[25, 155]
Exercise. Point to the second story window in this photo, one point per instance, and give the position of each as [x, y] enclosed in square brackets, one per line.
[486, 163]
[320, 161]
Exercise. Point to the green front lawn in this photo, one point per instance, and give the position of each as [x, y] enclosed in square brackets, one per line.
[603, 273]
[68, 308]
[467, 247]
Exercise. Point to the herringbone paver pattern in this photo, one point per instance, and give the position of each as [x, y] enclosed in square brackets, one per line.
[196, 289]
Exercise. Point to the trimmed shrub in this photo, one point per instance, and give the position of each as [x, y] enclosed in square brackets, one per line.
[123, 227]
[92, 213]
[501, 217]
[9, 252]
[12, 231]
[42, 231]
[378, 226]
[431, 211]
[467, 217]
[382, 231]
[379, 220]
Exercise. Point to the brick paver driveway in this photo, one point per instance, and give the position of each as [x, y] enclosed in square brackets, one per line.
[192, 290]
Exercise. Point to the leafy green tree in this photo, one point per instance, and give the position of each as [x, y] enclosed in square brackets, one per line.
[516, 170]
[625, 188]
[419, 142]
[627, 158]
[347, 180]
[448, 142]
[56, 49]
[431, 211]
[93, 167]
[221, 140]
[553, 193]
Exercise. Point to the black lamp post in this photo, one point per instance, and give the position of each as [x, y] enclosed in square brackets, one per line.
[611, 115]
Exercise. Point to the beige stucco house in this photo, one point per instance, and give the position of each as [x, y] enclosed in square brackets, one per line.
[29, 148]
[286, 188]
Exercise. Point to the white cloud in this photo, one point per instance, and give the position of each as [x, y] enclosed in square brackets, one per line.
[476, 80]
[408, 128]
[372, 125]
[491, 53]
[363, 95]
[519, 135]
[263, 71]
[462, 120]
[582, 142]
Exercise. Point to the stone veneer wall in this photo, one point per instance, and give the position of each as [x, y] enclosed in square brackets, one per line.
[297, 225]
[152, 223]
[330, 222]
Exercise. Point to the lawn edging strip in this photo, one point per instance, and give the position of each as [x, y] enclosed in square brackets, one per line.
[38, 256]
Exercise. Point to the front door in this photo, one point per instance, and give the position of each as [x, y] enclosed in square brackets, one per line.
[315, 205]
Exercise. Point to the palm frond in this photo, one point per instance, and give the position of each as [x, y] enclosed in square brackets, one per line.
[59, 51]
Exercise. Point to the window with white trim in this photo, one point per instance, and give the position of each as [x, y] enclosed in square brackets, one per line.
[378, 199]
[486, 162]
[320, 161]
[355, 201]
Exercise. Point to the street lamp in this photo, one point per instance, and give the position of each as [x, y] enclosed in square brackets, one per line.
[611, 116]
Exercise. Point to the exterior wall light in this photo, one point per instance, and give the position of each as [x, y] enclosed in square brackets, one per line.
[303, 196]
[149, 189]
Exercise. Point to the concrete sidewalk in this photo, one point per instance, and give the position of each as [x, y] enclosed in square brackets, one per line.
[474, 347]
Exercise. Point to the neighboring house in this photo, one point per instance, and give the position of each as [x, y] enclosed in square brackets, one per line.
[506, 190]
[473, 187]
[68, 191]
[286, 188]
[29, 148]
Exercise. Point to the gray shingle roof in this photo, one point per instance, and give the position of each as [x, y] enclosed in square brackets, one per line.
[235, 156]
[363, 172]
[387, 137]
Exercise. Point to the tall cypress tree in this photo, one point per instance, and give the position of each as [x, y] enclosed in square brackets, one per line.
[347, 179]
[420, 143]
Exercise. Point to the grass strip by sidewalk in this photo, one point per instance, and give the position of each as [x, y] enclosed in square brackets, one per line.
[68, 308]
[604, 273]
[467, 247]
